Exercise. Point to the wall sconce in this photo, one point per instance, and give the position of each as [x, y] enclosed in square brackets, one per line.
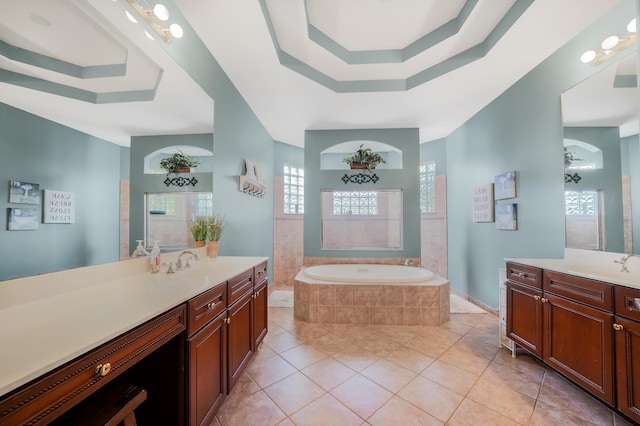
[611, 46]
[252, 183]
[157, 18]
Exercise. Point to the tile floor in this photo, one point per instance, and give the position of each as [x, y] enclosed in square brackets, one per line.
[453, 374]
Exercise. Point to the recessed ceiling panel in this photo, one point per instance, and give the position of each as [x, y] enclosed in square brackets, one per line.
[380, 24]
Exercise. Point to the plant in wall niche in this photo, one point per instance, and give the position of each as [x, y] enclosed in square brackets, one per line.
[569, 157]
[364, 158]
[178, 163]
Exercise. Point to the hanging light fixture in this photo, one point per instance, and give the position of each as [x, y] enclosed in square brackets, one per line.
[157, 18]
[610, 46]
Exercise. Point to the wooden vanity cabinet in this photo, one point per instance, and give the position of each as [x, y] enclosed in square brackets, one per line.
[524, 310]
[47, 398]
[567, 322]
[260, 304]
[627, 340]
[240, 339]
[206, 354]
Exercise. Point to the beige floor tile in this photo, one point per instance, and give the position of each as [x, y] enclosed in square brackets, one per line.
[378, 345]
[560, 393]
[269, 370]
[503, 400]
[361, 395]
[410, 359]
[324, 411]
[302, 356]
[388, 375]
[397, 411]
[356, 357]
[431, 397]
[451, 377]
[328, 373]
[465, 359]
[259, 409]
[282, 342]
[548, 415]
[470, 413]
[331, 343]
[428, 346]
[294, 392]
[522, 374]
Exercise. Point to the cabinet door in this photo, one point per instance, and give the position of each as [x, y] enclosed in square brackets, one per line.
[260, 313]
[524, 317]
[579, 344]
[240, 340]
[628, 367]
[207, 371]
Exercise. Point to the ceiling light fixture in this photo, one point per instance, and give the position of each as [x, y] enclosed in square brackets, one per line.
[611, 46]
[157, 18]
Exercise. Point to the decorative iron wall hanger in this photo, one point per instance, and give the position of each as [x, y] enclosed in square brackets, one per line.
[360, 178]
[575, 178]
[180, 181]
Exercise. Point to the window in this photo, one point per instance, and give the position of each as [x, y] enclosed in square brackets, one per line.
[583, 203]
[164, 204]
[293, 190]
[355, 202]
[428, 187]
[205, 204]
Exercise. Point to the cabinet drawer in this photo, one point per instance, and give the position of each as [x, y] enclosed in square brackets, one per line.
[260, 272]
[590, 292]
[47, 398]
[524, 274]
[239, 285]
[205, 307]
[627, 301]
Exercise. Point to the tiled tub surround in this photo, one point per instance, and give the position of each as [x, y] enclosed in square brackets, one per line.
[420, 303]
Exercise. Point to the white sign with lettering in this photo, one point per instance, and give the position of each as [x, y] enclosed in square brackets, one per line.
[59, 207]
[483, 203]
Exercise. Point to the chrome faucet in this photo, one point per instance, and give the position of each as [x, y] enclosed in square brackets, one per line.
[408, 262]
[623, 262]
[180, 266]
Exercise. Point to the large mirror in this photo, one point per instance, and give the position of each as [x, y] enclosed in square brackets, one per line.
[602, 160]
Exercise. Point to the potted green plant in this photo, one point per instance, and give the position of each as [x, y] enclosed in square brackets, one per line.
[569, 157]
[178, 163]
[215, 226]
[199, 230]
[364, 158]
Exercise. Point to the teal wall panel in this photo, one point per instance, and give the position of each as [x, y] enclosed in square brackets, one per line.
[59, 158]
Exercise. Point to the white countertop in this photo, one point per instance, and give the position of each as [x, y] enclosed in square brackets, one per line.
[51, 319]
[599, 266]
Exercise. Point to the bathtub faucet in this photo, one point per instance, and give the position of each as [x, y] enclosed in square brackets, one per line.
[408, 262]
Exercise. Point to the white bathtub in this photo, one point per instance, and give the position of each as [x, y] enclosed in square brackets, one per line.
[368, 273]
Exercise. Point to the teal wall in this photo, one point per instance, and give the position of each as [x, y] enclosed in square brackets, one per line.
[435, 151]
[286, 154]
[56, 157]
[406, 179]
[141, 183]
[608, 179]
[521, 130]
[630, 149]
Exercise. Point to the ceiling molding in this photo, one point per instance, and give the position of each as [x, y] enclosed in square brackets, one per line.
[427, 41]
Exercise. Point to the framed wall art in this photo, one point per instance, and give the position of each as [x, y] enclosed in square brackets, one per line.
[505, 186]
[506, 217]
[482, 208]
[24, 192]
[22, 219]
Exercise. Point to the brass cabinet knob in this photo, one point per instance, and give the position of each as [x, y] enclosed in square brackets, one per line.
[618, 327]
[544, 300]
[211, 305]
[103, 369]
[227, 320]
[537, 297]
